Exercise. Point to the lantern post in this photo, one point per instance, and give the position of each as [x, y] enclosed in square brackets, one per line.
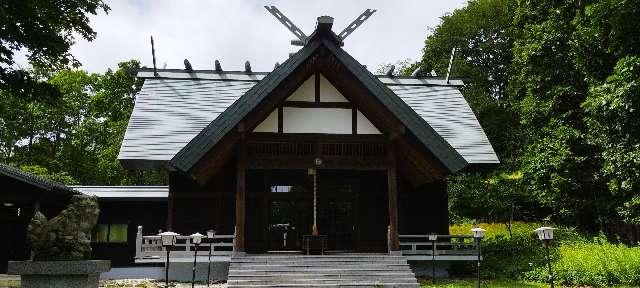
[197, 239]
[478, 234]
[210, 235]
[168, 240]
[545, 234]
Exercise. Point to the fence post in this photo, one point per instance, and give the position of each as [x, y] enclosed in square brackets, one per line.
[389, 239]
[233, 248]
[139, 243]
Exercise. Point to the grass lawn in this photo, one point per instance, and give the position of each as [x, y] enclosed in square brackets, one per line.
[9, 283]
[471, 283]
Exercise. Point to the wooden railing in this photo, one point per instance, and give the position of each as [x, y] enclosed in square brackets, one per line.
[446, 247]
[150, 247]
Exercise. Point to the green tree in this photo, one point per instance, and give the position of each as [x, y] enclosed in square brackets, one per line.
[613, 118]
[45, 29]
[80, 133]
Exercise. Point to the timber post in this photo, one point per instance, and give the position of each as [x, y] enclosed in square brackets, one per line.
[392, 186]
[241, 171]
[139, 243]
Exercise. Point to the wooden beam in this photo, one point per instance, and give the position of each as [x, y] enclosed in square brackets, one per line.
[306, 104]
[241, 172]
[392, 186]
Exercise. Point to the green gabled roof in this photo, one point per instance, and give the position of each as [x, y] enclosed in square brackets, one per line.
[225, 122]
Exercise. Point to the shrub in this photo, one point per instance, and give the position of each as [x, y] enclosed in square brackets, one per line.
[511, 256]
[597, 263]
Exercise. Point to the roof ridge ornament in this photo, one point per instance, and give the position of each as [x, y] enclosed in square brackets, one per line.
[356, 23]
[302, 38]
[187, 66]
[217, 66]
[324, 24]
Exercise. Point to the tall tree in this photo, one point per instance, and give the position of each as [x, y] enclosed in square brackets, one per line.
[45, 29]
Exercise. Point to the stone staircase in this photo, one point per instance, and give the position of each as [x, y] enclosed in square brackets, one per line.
[343, 270]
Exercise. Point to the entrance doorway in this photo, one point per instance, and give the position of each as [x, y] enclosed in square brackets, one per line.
[288, 221]
[351, 210]
[290, 210]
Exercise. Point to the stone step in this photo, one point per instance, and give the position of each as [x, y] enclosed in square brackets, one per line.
[323, 264]
[368, 270]
[343, 285]
[307, 282]
[298, 256]
[350, 270]
[325, 273]
[319, 263]
[286, 278]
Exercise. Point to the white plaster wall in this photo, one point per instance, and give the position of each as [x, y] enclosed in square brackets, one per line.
[328, 93]
[365, 126]
[270, 124]
[317, 120]
[306, 92]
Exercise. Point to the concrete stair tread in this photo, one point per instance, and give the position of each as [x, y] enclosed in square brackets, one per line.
[351, 270]
[360, 284]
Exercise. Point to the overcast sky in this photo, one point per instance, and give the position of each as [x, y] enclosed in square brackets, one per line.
[240, 30]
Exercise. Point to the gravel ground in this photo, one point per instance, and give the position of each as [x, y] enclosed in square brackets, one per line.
[146, 283]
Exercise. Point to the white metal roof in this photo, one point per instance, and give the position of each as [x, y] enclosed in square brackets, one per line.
[173, 108]
[125, 192]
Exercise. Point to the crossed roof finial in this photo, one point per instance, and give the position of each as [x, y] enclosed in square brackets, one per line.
[302, 38]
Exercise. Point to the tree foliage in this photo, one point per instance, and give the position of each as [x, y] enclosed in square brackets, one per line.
[44, 31]
[555, 86]
[74, 138]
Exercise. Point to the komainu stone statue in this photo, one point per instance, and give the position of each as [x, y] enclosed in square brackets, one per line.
[66, 236]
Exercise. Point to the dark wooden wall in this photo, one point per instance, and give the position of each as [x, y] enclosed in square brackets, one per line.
[198, 208]
[24, 197]
[423, 209]
[151, 215]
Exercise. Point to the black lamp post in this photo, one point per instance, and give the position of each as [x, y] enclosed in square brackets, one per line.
[168, 240]
[433, 238]
[210, 235]
[197, 239]
[478, 234]
[545, 234]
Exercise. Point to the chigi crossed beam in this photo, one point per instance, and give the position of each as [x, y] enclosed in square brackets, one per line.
[302, 38]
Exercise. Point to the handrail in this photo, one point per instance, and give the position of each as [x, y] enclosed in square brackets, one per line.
[150, 246]
[445, 245]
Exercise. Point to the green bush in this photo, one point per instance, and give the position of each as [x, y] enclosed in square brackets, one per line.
[597, 263]
[511, 256]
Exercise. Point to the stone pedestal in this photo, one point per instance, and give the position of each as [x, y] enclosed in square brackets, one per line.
[54, 274]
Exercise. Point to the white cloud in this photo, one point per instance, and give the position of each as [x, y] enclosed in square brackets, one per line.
[236, 31]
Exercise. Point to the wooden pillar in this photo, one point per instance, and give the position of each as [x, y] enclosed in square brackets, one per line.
[170, 201]
[241, 171]
[392, 187]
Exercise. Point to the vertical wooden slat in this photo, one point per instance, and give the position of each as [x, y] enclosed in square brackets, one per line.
[240, 196]
[392, 185]
[280, 119]
[171, 200]
[317, 87]
[354, 120]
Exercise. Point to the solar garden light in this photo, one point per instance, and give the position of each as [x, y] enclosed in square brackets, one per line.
[168, 240]
[433, 237]
[210, 235]
[197, 239]
[545, 234]
[478, 234]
